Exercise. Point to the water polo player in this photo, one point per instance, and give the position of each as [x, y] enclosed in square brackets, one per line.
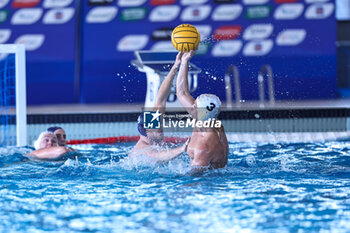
[208, 146]
[151, 141]
[46, 147]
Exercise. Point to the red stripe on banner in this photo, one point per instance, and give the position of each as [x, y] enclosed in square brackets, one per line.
[109, 140]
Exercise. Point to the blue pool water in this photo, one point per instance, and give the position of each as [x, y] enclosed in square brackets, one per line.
[302, 187]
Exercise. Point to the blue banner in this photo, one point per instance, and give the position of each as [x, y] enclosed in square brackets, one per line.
[296, 38]
[48, 30]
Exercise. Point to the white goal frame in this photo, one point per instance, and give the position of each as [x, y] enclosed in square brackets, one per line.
[21, 99]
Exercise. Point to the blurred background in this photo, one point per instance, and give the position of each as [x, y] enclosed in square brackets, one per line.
[81, 51]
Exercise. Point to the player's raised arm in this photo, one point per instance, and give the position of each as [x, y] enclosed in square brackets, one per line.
[164, 89]
[182, 89]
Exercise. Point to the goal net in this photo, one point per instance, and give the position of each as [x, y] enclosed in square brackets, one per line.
[13, 116]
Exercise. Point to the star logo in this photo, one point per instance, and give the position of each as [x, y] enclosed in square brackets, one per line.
[152, 120]
[156, 116]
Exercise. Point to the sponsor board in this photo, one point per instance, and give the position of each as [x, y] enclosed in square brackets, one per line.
[130, 3]
[286, 1]
[133, 14]
[290, 37]
[58, 16]
[204, 31]
[3, 3]
[101, 14]
[4, 35]
[289, 11]
[31, 41]
[228, 32]
[3, 15]
[100, 2]
[195, 13]
[226, 12]
[193, 2]
[163, 46]
[258, 31]
[163, 33]
[226, 48]
[315, 1]
[56, 3]
[319, 11]
[132, 43]
[27, 16]
[25, 3]
[162, 2]
[255, 2]
[258, 12]
[164, 13]
[224, 1]
[258, 48]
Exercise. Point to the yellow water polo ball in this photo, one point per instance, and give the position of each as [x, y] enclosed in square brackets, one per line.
[185, 37]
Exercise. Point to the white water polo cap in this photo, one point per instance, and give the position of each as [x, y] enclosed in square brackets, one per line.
[208, 107]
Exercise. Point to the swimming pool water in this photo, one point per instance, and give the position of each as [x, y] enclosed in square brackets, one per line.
[288, 187]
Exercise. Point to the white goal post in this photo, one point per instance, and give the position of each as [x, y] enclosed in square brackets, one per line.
[21, 100]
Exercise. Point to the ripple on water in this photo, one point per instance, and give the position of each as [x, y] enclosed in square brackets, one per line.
[265, 187]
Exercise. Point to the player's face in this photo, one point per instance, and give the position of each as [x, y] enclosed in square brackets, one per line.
[61, 137]
[49, 140]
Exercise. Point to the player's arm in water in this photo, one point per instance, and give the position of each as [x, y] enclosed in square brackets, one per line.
[51, 153]
[161, 156]
[165, 87]
[182, 90]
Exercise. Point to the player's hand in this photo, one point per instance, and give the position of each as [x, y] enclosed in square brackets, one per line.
[178, 58]
[187, 55]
